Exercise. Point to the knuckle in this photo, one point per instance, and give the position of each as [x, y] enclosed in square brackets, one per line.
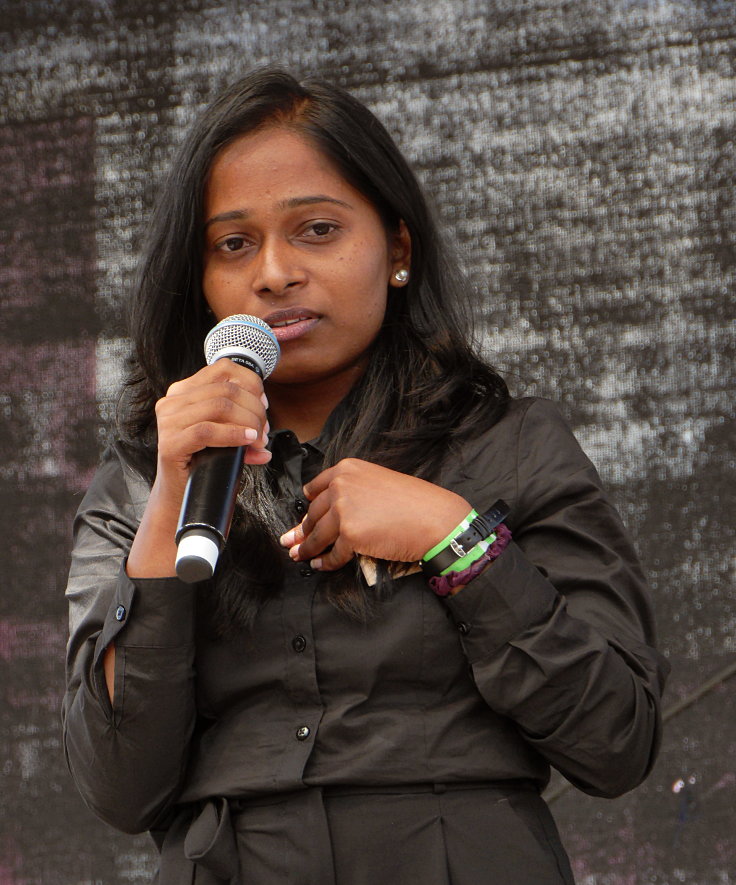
[231, 388]
[222, 405]
[339, 484]
[161, 406]
[233, 375]
[203, 433]
[343, 511]
[219, 369]
[348, 536]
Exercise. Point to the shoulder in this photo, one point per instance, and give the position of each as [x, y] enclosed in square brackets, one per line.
[529, 424]
[527, 453]
[533, 414]
[118, 486]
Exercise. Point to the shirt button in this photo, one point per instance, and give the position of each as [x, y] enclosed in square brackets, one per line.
[299, 643]
[300, 506]
[120, 613]
[306, 572]
[302, 733]
[463, 628]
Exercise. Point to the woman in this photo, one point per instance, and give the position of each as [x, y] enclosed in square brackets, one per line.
[325, 709]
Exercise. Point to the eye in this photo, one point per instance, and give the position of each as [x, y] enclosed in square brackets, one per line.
[318, 230]
[231, 244]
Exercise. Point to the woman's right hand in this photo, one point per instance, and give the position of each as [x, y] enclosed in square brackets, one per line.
[220, 405]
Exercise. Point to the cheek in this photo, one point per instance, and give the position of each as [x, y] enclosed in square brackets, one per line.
[370, 269]
[219, 291]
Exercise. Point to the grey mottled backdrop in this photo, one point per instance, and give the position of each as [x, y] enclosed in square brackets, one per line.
[582, 155]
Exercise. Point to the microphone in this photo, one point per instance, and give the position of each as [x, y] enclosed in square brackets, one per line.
[212, 487]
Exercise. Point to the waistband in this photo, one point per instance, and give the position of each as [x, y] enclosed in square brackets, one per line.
[438, 788]
[338, 790]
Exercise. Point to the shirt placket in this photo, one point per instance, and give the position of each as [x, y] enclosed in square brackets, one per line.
[300, 674]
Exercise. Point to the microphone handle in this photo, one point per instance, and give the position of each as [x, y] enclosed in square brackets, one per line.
[207, 511]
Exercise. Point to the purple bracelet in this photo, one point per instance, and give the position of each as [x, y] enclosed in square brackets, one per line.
[443, 584]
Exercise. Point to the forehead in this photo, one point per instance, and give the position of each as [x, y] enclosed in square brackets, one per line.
[274, 157]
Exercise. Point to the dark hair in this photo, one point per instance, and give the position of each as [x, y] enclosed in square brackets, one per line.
[424, 388]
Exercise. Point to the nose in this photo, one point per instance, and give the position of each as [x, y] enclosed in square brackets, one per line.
[276, 269]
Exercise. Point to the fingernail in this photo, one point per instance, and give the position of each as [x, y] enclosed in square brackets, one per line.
[251, 435]
[316, 563]
[264, 400]
[287, 539]
[294, 552]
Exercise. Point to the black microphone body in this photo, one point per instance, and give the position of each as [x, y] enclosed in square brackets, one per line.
[212, 489]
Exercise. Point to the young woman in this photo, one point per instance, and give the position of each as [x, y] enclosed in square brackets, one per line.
[329, 708]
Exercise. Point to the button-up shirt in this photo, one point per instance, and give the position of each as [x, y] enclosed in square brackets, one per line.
[545, 658]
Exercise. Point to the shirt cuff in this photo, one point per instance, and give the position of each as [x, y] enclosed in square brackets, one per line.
[150, 613]
[508, 598]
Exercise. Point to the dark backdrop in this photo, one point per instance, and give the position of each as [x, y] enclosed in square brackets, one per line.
[581, 154]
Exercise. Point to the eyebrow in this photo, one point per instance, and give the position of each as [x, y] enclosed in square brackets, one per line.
[291, 203]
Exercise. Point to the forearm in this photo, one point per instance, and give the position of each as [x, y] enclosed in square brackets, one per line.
[128, 756]
[588, 703]
[153, 552]
[152, 555]
[128, 713]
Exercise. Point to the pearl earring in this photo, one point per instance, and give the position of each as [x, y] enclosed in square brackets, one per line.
[401, 276]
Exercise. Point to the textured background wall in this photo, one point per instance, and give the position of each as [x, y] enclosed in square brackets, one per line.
[582, 155]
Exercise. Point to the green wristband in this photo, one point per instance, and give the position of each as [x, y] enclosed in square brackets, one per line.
[458, 530]
[472, 556]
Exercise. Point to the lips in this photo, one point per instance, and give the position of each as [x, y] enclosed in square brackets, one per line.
[292, 322]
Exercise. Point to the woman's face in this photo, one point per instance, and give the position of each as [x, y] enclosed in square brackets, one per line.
[288, 240]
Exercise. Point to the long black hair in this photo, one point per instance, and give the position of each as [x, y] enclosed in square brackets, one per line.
[425, 387]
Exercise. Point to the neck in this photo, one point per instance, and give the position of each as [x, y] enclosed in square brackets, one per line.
[304, 408]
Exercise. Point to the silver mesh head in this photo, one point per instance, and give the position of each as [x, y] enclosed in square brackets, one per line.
[245, 336]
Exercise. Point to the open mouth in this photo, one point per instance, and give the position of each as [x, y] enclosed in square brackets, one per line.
[291, 323]
[285, 323]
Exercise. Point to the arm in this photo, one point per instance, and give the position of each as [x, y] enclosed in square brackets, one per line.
[129, 710]
[127, 756]
[558, 631]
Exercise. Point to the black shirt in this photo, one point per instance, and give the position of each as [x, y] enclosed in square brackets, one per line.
[545, 658]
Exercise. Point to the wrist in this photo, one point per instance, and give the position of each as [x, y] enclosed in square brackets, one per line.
[466, 543]
[153, 552]
[167, 491]
[450, 583]
[450, 537]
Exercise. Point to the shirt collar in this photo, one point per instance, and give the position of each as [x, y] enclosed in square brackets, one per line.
[280, 441]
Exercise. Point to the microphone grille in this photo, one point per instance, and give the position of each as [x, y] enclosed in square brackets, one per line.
[242, 335]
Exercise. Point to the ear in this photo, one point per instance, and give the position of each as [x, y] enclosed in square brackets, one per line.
[400, 256]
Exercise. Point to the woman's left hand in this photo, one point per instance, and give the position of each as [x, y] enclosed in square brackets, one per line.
[360, 508]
